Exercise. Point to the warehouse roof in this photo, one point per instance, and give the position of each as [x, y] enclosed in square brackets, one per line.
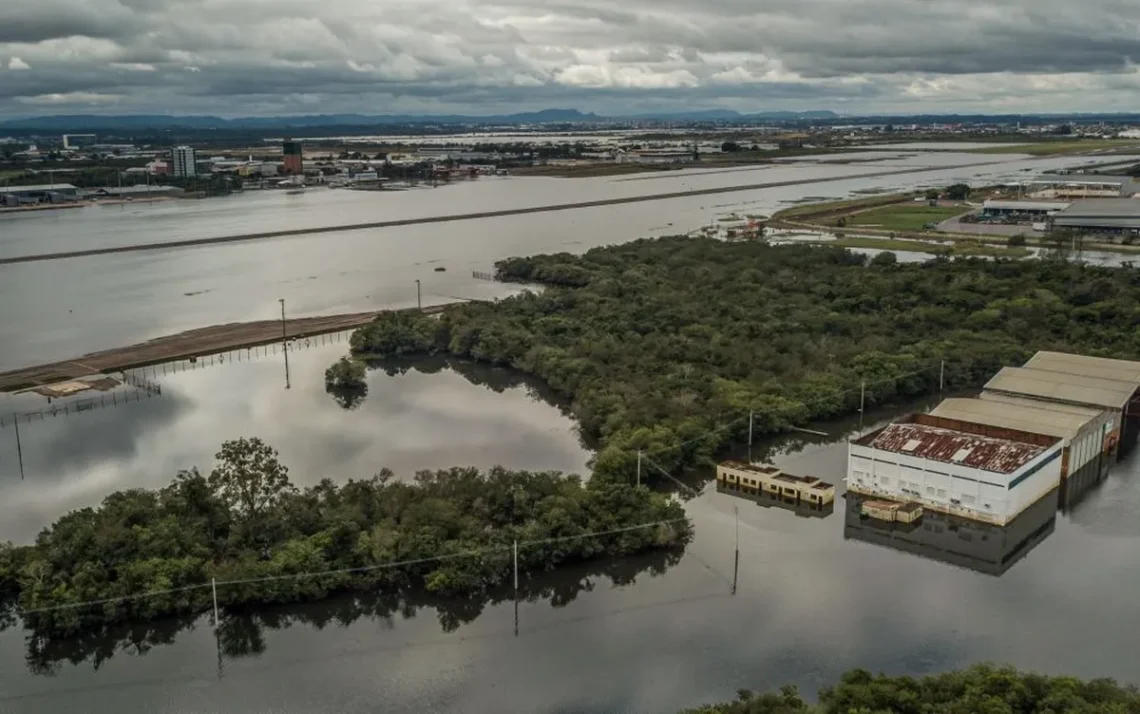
[1062, 387]
[1025, 205]
[1103, 367]
[1002, 456]
[1033, 419]
[1102, 208]
[37, 188]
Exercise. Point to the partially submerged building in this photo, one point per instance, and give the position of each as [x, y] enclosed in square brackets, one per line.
[971, 470]
[772, 480]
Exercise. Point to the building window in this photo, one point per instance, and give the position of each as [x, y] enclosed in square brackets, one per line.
[942, 493]
[929, 490]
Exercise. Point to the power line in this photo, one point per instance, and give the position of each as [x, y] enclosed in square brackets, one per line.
[344, 571]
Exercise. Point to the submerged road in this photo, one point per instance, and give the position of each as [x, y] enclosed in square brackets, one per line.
[194, 343]
[219, 240]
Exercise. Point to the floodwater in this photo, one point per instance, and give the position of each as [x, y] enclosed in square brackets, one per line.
[814, 596]
[60, 309]
[439, 415]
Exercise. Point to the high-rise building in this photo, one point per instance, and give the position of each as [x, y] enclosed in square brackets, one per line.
[185, 161]
[294, 162]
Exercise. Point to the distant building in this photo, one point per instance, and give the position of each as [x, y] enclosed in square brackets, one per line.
[1109, 216]
[185, 162]
[294, 161]
[11, 196]
[158, 168]
[79, 141]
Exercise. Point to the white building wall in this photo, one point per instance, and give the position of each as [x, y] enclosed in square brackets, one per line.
[951, 487]
[1042, 481]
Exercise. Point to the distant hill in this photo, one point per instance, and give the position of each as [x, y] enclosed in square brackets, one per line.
[94, 122]
[86, 122]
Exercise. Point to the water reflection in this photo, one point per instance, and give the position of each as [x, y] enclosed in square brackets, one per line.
[437, 414]
[243, 634]
[981, 547]
[764, 499]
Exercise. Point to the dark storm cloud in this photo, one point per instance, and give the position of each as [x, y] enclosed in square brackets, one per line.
[488, 55]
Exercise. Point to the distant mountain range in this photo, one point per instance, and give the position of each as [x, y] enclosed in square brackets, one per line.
[84, 122]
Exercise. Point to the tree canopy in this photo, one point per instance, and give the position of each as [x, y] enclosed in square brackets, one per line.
[247, 522]
[982, 689]
[666, 345]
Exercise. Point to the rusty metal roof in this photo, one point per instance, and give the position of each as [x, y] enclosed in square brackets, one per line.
[1062, 387]
[1102, 367]
[1000, 456]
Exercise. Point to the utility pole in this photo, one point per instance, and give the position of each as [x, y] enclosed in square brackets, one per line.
[736, 555]
[284, 341]
[862, 401]
[750, 413]
[419, 300]
[941, 375]
[639, 468]
[19, 446]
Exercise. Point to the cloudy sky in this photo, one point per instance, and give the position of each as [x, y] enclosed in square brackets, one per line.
[254, 57]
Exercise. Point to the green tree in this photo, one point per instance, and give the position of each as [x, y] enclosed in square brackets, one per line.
[957, 192]
[1016, 241]
[249, 478]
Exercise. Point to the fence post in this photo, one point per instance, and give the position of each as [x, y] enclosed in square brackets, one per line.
[214, 586]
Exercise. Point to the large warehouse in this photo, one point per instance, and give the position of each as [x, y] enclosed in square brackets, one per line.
[972, 470]
[1061, 417]
[1110, 216]
[1117, 398]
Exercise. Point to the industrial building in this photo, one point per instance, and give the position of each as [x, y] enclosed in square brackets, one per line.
[1116, 398]
[956, 467]
[1109, 216]
[961, 542]
[185, 162]
[14, 196]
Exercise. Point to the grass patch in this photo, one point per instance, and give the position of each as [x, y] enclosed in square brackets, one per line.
[917, 246]
[812, 209]
[1053, 148]
[905, 216]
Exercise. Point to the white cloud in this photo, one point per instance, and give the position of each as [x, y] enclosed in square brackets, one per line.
[134, 66]
[70, 98]
[17, 63]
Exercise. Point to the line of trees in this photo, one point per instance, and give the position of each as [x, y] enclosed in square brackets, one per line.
[982, 689]
[246, 519]
[658, 344]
